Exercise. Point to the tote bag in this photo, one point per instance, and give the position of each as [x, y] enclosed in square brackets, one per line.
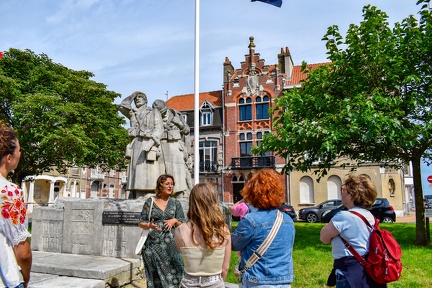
[144, 234]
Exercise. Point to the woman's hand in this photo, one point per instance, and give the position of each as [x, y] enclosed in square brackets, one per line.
[170, 223]
[153, 226]
[150, 225]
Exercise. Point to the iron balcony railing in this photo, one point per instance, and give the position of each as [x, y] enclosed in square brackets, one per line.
[253, 162]
[209, 167]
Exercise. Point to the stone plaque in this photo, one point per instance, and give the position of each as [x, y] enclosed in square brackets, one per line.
[120, 217]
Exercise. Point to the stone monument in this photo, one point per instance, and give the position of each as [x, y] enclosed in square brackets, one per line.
[159, 145]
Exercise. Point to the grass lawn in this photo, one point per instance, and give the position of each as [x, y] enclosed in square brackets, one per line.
[313, 261]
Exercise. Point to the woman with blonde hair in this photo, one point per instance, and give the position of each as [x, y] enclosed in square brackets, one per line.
[358, 194]
[204, 241]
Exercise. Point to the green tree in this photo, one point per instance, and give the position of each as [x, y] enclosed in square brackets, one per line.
[62, 117]
[371, 103]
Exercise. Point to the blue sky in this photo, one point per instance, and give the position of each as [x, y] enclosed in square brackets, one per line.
[148, 45]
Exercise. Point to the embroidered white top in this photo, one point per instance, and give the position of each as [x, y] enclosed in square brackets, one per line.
[13, 230]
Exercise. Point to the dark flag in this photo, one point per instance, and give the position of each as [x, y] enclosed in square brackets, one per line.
[277, 3]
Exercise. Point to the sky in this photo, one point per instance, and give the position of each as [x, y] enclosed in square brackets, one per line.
[148, 45]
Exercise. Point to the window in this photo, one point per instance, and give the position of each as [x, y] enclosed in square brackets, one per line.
[75, 171]
[306, 190]
[206, 118]
[259, 141]
[245, 144]
[262, 107]
[206, 110]
[245, 109]
[208, 156]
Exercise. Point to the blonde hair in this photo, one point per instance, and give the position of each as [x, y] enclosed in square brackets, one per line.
[205, 213]
[361, 189]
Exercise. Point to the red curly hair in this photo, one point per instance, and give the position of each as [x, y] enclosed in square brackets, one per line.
[264, 190]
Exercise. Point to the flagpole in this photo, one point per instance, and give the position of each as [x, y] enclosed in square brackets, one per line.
[196, 95]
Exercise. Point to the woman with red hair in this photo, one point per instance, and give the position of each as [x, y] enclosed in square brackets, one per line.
[274, 267]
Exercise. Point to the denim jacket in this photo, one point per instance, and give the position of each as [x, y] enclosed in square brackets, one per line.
[276, 264]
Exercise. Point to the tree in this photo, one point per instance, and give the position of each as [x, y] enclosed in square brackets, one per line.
[61, 116]
[372, 103]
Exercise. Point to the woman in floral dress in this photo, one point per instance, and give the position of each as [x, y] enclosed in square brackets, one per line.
[15, 252]
[162, 261]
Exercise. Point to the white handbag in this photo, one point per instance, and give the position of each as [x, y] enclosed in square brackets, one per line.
[144, 234]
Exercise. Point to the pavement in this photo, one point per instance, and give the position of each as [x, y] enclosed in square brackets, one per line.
[410, 218]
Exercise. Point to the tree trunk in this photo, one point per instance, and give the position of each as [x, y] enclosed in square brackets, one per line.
[421, 238]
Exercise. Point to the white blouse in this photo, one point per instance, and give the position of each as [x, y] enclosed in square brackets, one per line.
[13, 230]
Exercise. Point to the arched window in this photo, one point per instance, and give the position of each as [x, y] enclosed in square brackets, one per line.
[259, 137]
[245, 109]
[334, 184]
[306, 190]
[262, 107]
[245, 144]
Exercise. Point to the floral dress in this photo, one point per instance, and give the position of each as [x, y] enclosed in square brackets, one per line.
[162, 261]
[13, 230]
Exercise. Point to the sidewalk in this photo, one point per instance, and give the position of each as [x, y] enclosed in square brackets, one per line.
[410, 218]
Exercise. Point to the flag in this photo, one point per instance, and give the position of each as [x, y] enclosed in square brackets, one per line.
[277, 3]
[1, 55]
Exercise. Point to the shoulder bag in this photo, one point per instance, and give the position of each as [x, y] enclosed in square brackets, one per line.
[144, 233]
[261, 249]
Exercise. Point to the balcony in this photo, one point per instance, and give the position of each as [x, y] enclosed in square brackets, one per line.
[253, 162]
[97, 175]
[208, 167]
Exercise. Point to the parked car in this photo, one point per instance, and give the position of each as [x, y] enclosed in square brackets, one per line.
[289, 210]
[313, 214]
[381, 209]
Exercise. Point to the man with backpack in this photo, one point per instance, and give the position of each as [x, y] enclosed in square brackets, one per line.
[350, 233]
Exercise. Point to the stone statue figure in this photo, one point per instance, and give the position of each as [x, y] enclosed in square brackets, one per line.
[146, 129]
[174, 149]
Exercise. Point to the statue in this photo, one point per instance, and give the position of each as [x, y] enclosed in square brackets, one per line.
[146, 129]
[174, 148]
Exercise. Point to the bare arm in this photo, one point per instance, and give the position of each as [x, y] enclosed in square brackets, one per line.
[177, 238]
[227, 258]
[23, 256]
[328, 232]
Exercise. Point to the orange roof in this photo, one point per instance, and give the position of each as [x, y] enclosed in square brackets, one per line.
[186, 102]
[297, 75]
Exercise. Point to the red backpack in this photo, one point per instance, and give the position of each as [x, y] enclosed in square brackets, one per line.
[382, 263]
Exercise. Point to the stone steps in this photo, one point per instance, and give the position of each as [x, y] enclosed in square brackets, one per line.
[79, 271]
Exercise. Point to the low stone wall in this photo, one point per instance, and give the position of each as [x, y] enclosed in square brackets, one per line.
[99, 227]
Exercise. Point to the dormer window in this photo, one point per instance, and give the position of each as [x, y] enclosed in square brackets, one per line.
[206, 111]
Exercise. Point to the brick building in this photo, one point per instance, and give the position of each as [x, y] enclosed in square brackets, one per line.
[242, 109]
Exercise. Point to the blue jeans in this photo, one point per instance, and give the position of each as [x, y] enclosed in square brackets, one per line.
[247, 284]
[341, 281]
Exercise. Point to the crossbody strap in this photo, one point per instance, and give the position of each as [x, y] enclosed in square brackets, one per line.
[349, 247]
[151, 207]
[263, 247]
